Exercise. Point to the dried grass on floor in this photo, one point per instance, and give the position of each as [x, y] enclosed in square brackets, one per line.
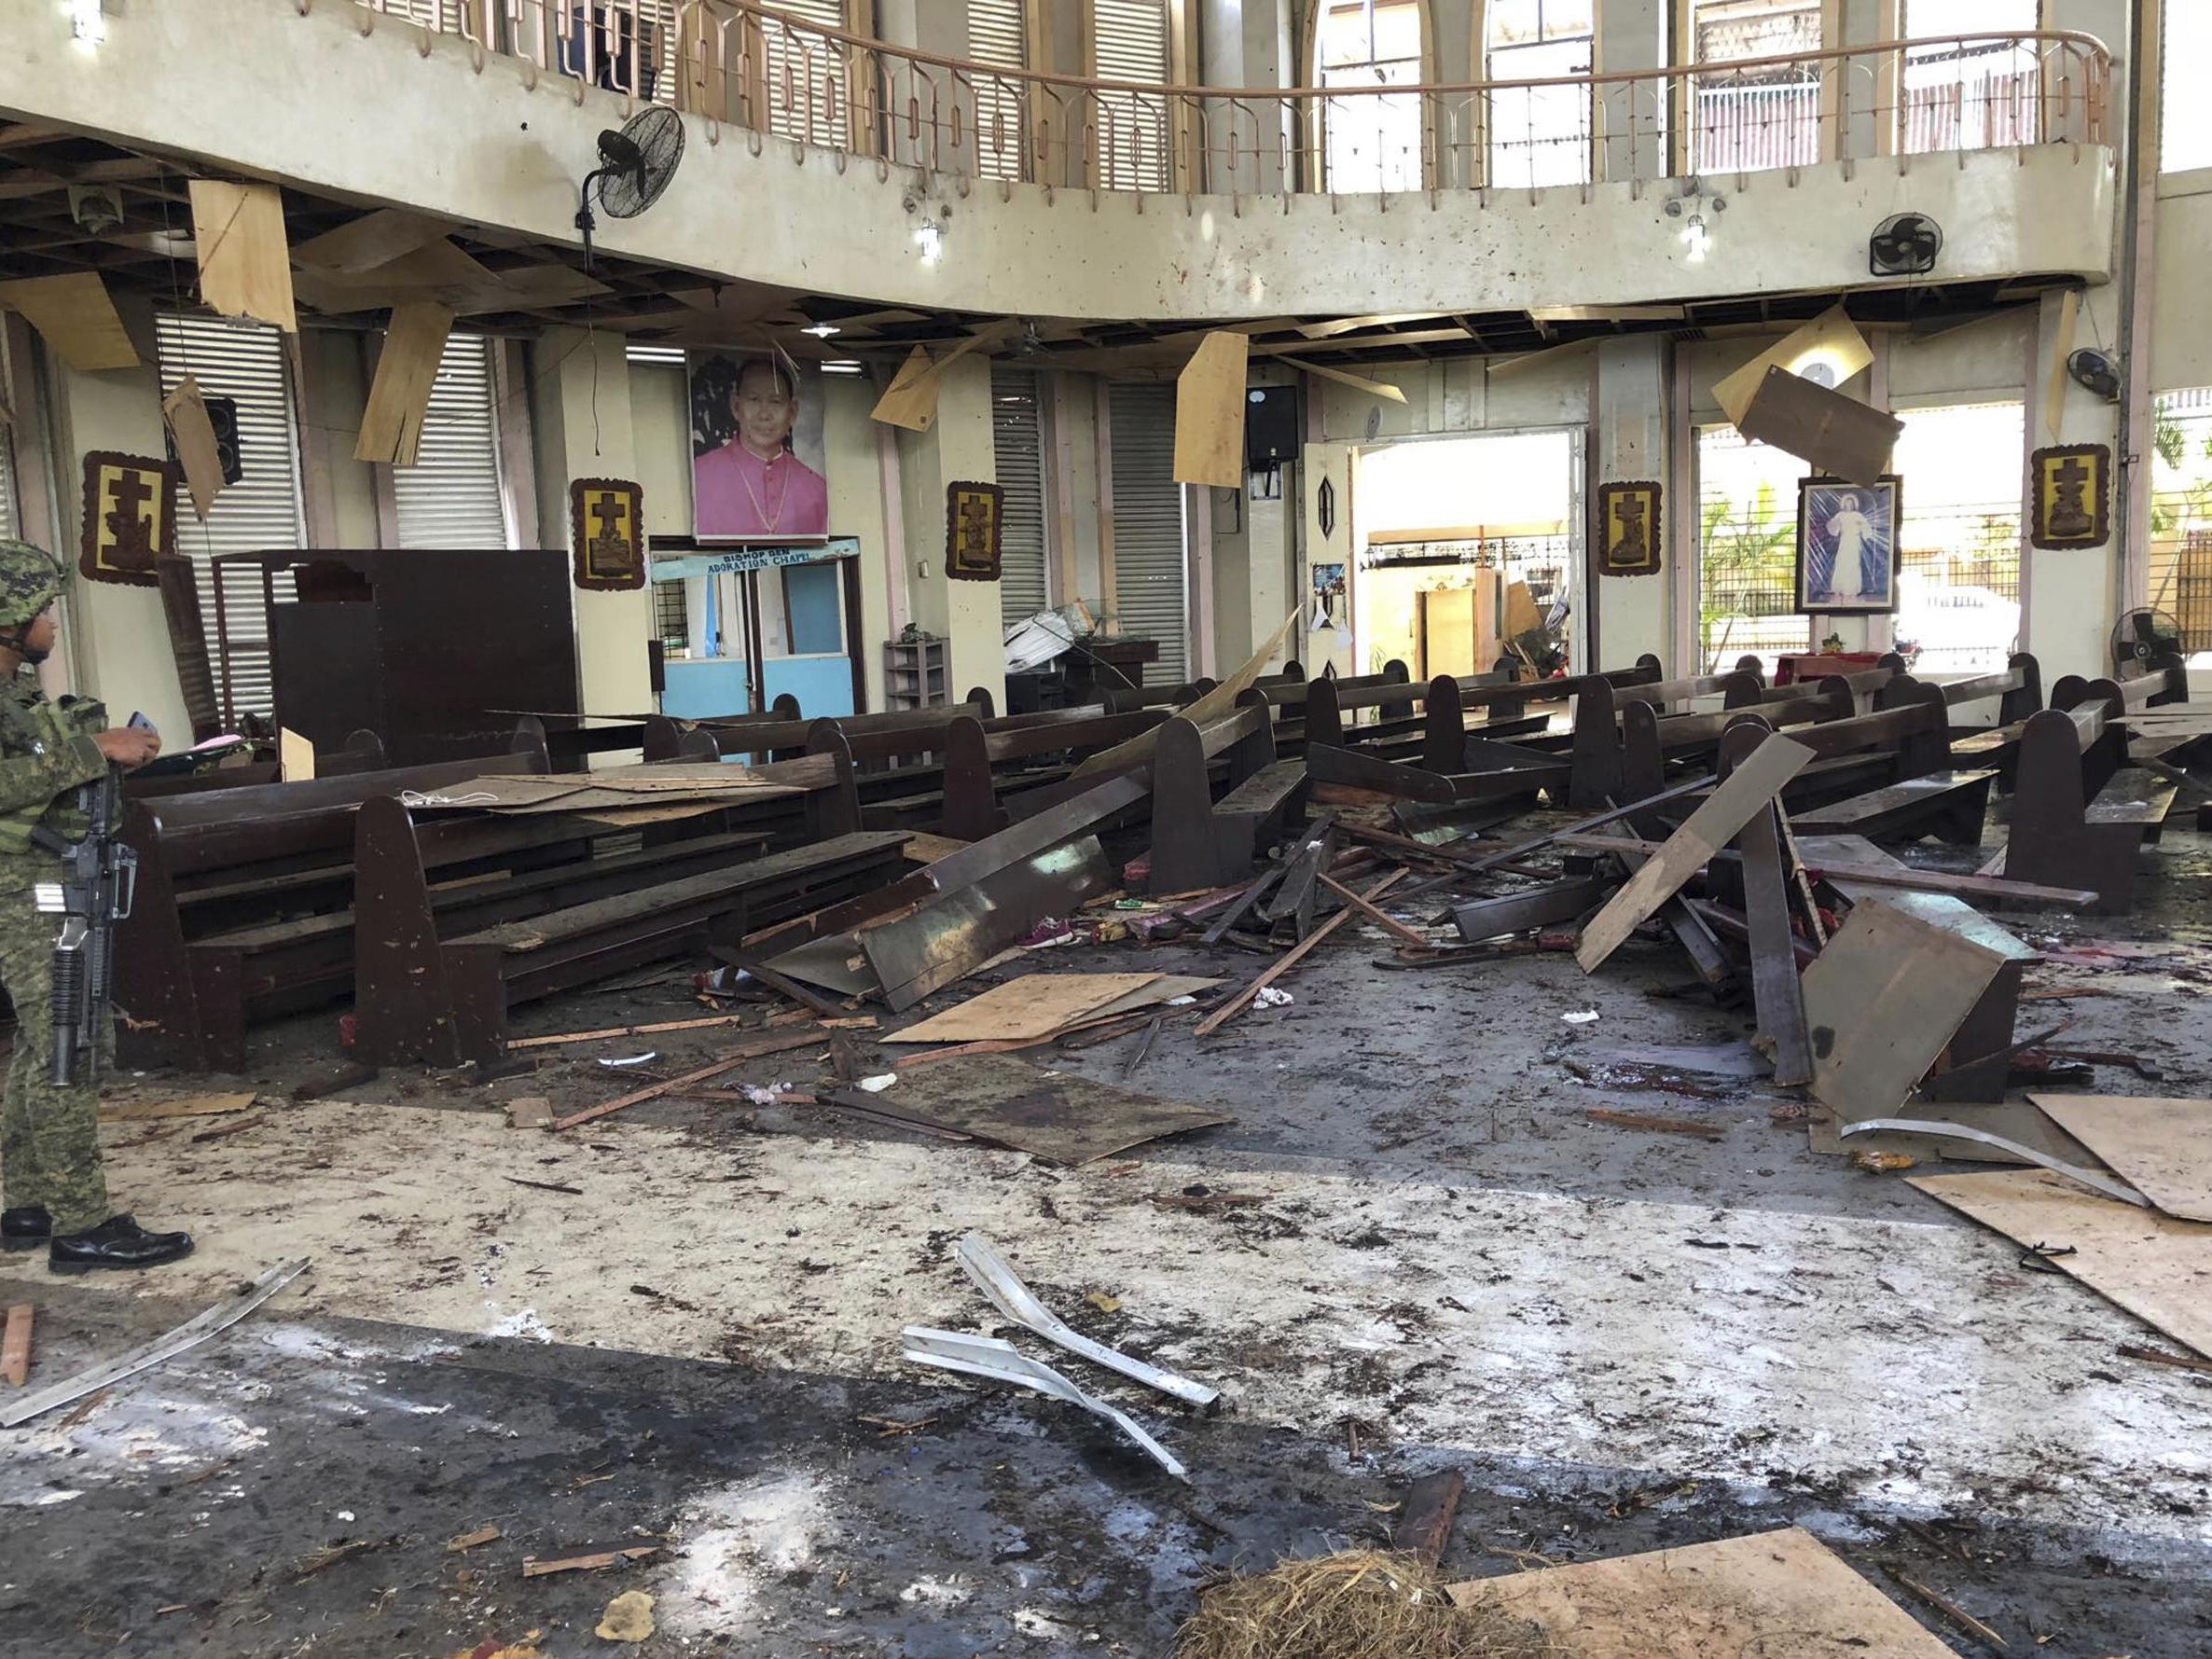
[1361, 1604]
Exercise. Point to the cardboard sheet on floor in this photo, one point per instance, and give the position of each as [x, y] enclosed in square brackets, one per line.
[1049, 1115]
[1164, 987]
[1881, 1000]
[2161, 1147]
[2157, 1268]
[1031, 1005]
[1780, 1595]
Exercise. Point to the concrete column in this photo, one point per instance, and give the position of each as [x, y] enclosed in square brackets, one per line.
[1335, 465]
[2070, 598]
[117, 636]
[580, 406]
[1631, 115]
[1628, 442]
[856, 508]
[958, 449]
[341, 491]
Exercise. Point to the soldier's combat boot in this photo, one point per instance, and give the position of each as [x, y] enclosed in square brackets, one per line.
[115, 1242]
[24, 1229]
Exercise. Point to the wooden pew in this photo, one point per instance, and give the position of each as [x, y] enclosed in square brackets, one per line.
[362, 752]
[448, 933]
[2079, 812]
[1199, 841]
[1632, 765]
[1926, 792]
[991, 777]
[229, 884]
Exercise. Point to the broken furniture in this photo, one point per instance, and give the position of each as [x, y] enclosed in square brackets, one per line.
[1199, 841]
[351, 649]
[236, 888]
[441, 958]
[1903, 751]
[2081, 814]
[362, 752]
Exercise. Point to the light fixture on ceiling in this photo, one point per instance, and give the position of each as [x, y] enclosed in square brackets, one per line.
[841, 365]
[929, 236]
[1697, 213]
[87, 20]
[821, 330]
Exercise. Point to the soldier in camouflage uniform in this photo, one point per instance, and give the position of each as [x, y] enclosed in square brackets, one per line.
[49, 1137]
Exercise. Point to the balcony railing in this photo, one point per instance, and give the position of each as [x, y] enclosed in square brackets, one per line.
[759, 75]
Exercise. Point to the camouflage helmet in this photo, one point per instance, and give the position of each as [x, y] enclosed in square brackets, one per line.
[30, 581]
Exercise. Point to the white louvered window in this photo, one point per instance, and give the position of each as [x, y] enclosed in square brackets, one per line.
[453, 496]
[998, 35]
[1129, 43]
[806, 86]
[259, 514]
[1017, 434]
[1150, 594]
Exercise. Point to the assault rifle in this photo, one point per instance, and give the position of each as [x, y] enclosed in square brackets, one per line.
[99, 884]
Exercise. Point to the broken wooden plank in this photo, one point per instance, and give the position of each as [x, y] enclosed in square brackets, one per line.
[1746, 791]
[1778, 997]
[1425, 1526]
[535, 1568]
[15, 1345]
[767, 1044]
[1994, 888]
[1536, 907]
[469, 1541]
[1389, 923]
[1289, 959]
[1033, 1007]
[1645, 1120]
[190, 1106]
[644, 1031]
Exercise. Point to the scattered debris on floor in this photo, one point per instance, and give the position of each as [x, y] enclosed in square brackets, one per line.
[1359, 1604]
[629, 1618]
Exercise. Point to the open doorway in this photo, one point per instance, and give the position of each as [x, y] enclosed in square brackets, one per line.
[1446, 527]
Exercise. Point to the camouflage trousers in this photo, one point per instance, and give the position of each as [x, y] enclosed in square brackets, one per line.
[49, 1137]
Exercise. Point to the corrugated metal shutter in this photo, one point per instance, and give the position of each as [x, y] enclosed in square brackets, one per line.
[452, 496]
[1017, 433]
[1130, 42]
[259, 514]
[1149, 596]
[998, 34]
[816, 68]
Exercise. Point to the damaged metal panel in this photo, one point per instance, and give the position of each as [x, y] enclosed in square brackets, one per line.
[954, 934]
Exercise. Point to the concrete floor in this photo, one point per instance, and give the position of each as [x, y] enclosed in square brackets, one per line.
[1626, 1339]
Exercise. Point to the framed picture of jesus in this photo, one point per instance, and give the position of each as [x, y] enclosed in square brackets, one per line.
[1846, 545]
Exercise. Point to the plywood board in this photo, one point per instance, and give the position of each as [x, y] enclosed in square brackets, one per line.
[1210, 413]
[364, 243]
[185, 412]
[74, 316]
[1033, 1005]
[1775, 1596]
[2157, 1268]
[1827, 338]
[2161, 1147]
[1882, 1001]
[911, 398]
[1704, 833]
[1050, 1115]
[1832, 433]
[295, 756]
[1357, 383]
[245, 261]
[1165, 988]
[192, 1106]
[440, 271]
[400, 397]
[1521, 613]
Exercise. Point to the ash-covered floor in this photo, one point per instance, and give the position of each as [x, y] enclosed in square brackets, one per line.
[1626, 1339]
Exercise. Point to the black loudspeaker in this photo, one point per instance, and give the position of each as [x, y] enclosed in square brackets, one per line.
[1270, 427]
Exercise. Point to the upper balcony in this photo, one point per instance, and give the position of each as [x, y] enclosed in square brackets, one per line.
[835, 164]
